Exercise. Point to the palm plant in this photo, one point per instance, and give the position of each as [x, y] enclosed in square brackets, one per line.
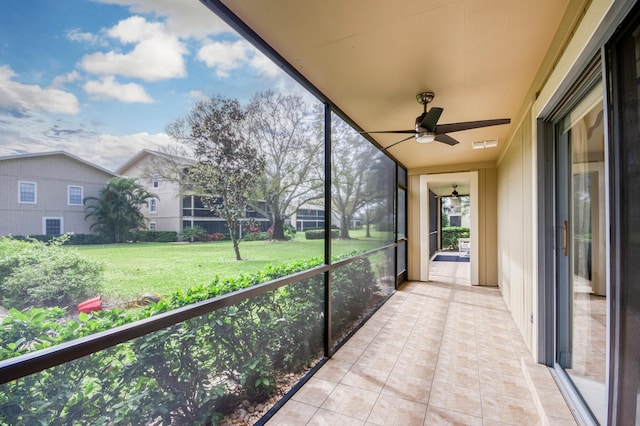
[116, 210]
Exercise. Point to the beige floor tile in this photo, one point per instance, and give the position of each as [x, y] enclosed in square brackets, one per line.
[462, 400]
[328, 418]
[365, 378]
[458, 376]
[557, 421]
[507, 409]
[348, 354]
[437, 416]
[434, 354]
[293, 413]
[333, 371]
[314, 392]
[397, 411]
[407, 387]
[351, 401]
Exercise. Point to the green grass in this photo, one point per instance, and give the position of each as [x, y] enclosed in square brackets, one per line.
[134, 269]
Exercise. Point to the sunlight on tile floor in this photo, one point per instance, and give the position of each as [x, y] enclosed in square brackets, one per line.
[435, 353]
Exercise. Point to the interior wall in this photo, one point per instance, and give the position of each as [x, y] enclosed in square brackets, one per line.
[487, 219]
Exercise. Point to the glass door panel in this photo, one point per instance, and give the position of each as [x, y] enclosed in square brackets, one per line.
[582, 290]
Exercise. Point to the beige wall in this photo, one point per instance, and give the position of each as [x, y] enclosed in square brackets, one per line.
[52, 175]
[487, 222]
[168, 216]
[516, 214]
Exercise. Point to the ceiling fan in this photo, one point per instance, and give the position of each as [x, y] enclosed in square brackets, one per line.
[427, 128]
[454, 193]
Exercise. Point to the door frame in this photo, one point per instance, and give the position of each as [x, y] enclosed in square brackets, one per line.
[429, 180]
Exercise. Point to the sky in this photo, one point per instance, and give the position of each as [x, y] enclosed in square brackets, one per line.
[101, 79]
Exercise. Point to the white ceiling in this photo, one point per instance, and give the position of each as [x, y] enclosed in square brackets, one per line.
[371, 58]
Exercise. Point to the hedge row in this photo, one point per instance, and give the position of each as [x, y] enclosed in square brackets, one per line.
[318, 234]
[73, 240]
[82, 239]
[450, 236]
[186, 374]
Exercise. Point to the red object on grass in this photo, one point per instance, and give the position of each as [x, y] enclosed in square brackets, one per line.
[90, 305]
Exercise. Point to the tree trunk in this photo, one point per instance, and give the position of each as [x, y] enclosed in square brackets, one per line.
[278, 229]
[235, 239]
[236, 247]
[368, 230]
[344, 228]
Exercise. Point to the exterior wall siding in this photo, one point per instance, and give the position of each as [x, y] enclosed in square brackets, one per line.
[52, 174]
[516, 263]
[168, 216]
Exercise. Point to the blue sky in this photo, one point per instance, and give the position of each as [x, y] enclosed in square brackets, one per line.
[102, 78]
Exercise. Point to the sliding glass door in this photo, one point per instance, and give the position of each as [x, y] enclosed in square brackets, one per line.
[581, 290]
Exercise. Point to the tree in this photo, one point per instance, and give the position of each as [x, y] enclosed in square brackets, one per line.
[352, 173]
[226, 166]
[116, 209]
[284, 130]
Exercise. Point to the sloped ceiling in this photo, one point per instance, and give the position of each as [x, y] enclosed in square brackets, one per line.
[371, 58]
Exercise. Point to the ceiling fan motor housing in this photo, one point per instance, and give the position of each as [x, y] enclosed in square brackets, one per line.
[424, 97]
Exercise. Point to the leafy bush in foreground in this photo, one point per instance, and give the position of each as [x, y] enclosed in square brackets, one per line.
[33, 273]
[185, 374]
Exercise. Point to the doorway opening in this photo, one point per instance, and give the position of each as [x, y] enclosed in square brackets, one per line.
[449, 228]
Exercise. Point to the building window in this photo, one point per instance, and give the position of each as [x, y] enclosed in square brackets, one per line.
[153, 226]
[27, 192]
[156, 182]
[75, 195]
[52, 226]
[153, 205]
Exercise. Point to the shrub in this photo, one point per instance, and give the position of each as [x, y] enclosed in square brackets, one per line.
[72, 239]
[193, 233]
[318, 234]
[384, 226]
[255, 236]
[187, 373]
[154, 236]
[33, 273]
[218, 236]
[450, 236]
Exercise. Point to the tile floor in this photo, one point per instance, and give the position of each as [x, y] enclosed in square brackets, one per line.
[435, 353]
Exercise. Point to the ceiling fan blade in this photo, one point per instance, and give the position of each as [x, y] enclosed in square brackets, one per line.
[431, 119]
[390, 131]
[468, 125]
[400, 141]
[446, 139]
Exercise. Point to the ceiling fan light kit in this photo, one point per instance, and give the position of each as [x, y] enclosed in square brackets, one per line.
[427, 129]
[425, 137]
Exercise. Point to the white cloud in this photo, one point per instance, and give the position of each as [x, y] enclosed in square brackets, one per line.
[156, 55]
[197, 94]
[227, 56]
[264, 65]
[83, 37]
[61, 80]
[29, 97]
[183, 18]
[109, 88]
[224, 56]
[114, 150]
[106, 150]
[135, 29]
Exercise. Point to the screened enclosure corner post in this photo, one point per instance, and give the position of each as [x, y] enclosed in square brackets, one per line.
[327, 229]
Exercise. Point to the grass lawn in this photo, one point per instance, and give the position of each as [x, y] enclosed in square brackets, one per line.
[135, 269]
